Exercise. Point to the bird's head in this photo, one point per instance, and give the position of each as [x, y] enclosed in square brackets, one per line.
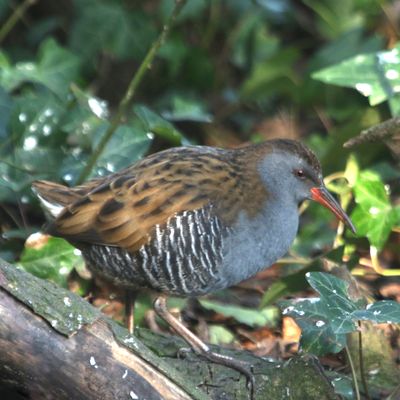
[291, 171]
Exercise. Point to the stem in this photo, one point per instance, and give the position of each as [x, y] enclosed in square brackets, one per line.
[353, 373]
[361, 361]
[14, 18]
[377, 266]
[130, 92]
[332, 177]
[294, 260]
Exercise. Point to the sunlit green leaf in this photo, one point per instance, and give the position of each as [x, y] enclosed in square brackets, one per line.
[250, 317]
[54, 260]
[220, 335]
[376, 76]
[157, 125]
[374, 216]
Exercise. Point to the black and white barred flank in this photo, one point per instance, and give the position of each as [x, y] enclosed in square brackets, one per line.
[182, 257]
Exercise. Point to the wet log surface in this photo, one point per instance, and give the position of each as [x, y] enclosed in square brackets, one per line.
[54, 345]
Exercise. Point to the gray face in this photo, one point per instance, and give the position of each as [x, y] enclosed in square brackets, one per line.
[288, 177]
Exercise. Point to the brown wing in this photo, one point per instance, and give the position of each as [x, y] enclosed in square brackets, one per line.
[122, 209]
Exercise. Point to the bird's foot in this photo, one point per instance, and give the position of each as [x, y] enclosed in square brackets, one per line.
[201, 348]
[243, 367]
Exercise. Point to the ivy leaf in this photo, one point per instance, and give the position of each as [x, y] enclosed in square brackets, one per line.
[374, 75]
[53, 259]
[381, 311]
[317, 335]
[157, 125]
[96, 21]
[374, 216]
[56, 68]
[325, 321]
[127, 145]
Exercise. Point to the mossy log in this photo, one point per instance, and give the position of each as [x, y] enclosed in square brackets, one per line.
[54, 345]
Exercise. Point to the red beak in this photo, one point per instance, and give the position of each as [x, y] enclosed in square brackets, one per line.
[322, 196]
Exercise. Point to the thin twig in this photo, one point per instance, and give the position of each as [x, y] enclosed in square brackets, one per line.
[126, 100]
[361, 361]
[353, 373]
[14, 18]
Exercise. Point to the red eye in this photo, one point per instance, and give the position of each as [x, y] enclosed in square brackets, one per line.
[300, 173]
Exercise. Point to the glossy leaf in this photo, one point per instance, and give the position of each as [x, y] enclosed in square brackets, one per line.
[374, 216]
[157, 125]
[54, 260]
[375, 75]
[325, 321]
[382, 311]
[127, 145]
[185, 109]
[55, 68]
[250, 317]
[110, 27]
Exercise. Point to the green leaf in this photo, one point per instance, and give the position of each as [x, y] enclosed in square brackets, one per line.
[317, 335]
[6, 105]
[219, 335]
[325, 321]
[186, 109]
[127, 145]
[110, 27]
[380, 312]
[54, 260]
[157, 125]
[56, 68]
[335, 17]
[250, 317]
[374, 216]
[289, 284]
[344, 47]
[342, 384]
[274, 74]
[296, 281]
[37, 116]
[253, 43]
[95, 105]
[375, 75]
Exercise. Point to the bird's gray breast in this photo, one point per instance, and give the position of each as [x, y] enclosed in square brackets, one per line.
[256, 243]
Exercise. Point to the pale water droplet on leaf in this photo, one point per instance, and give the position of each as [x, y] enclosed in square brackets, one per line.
[30, 143]
[22, 117]
[46, 130]
[392, 74]
[364, 88]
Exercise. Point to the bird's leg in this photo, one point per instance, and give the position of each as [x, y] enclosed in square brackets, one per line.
[130, 298]
[201, 348]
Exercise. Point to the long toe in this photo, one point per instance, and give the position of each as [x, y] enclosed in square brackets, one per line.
[244, 367]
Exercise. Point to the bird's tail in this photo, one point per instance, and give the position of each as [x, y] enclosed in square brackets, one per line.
[54, 197]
